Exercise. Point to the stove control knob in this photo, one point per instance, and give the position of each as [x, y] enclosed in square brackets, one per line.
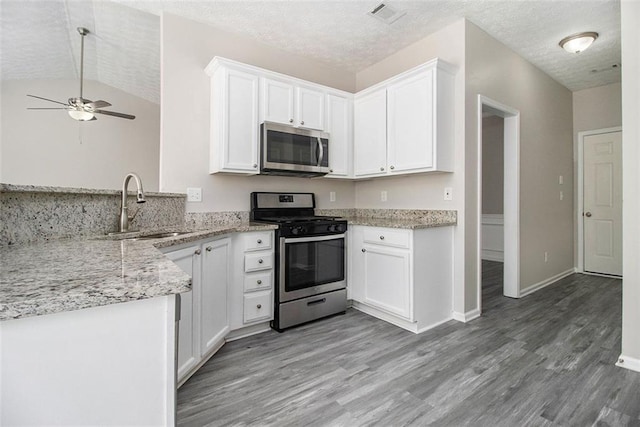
[298, 230]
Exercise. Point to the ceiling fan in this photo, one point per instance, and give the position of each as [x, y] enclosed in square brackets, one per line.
[80, 108]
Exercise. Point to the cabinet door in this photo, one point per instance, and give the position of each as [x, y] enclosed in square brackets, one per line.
[355, 287]
[310, 109]
[188, 337]
[277, 101]
[340, 135]
[387, 282]
[410, 116]
[370, 134]
[235, 128]
[213, 302]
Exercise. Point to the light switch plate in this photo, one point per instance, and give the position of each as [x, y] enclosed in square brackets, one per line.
[194, 194]
[383, 196]
[332, 196]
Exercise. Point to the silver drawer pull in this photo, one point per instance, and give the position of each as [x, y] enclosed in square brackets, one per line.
[381, 237]
[290, 120]
[260, 261]
[381, 169]
[259, 306]
[209, 248]
[364, 250]
[198, 252]
[259, 241]
[259, 282]
[302, 122]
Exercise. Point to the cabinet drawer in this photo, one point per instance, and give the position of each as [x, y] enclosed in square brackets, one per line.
[387, 237]
[257, 281]
[257, 306]
[257, 241]
[258, 261]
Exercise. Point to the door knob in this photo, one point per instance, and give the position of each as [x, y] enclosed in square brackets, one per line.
[588, 214]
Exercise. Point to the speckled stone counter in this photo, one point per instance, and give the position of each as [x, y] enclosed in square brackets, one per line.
[396, 218]
[64, 275]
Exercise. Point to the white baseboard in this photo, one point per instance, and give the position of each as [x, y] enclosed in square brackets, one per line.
[394, 319]
[543, 284]
[466, 317]
[627, 362]
[493, 255]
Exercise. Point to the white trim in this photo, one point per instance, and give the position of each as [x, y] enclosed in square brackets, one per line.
[580, 190]
[492, 223]
[395, 320]
[628, 362]
[466, 317]
[511, 198]
[591, 273]
[543, 284]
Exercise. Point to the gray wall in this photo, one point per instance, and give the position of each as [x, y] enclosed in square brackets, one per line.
[546, 151]
[492, 165]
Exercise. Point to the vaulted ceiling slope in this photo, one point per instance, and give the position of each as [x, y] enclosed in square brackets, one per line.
[39, 39]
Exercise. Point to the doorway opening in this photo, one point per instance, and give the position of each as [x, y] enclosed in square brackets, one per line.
[498, 177]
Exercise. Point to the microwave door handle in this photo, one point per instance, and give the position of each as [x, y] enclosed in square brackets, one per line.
[321, 148]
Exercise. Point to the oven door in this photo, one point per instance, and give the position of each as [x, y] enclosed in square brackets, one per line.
[311, 266]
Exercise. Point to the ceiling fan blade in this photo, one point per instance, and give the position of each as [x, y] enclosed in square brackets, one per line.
[46, 108]
[97, 104]
[47, 99]
[113, 113]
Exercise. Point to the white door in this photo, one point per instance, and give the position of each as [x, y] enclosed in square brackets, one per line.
[188, 260]
[310, 108]
[370, 134]
[339, 128]
[603, 203]
[277, 101]
[410, 123]
[213, 308]
[386, 283]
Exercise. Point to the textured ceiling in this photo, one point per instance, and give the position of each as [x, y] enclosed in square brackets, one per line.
[39, 39]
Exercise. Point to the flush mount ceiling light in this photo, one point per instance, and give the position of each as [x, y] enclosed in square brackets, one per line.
[576, 43]
[386, 14]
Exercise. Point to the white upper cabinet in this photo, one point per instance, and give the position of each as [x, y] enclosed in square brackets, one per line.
[370, 134]
[418, 116]
[234, 125]
[278, 101]
[340, 128]
[290, 104]
[310, 108]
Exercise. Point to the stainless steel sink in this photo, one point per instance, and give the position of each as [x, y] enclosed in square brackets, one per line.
[158, 235]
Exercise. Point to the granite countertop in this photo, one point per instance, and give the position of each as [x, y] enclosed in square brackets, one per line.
[428, 220]
[64, 275]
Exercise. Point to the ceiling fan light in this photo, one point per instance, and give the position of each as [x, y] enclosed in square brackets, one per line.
[81, 115]
[577, 43]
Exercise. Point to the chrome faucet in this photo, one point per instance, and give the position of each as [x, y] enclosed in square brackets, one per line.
[124, 214]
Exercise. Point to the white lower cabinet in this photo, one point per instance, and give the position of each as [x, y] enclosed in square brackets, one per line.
[403, 276]
[203, 321]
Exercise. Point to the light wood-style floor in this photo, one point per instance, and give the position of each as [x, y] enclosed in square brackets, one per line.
[546, 359]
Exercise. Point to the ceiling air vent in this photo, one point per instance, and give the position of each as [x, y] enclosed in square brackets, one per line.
[386, 14]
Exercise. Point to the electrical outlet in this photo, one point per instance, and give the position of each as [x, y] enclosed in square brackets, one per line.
[332, 196]
[448, 193]
[383, 196]
[546, 257]
[560, 180]
[561, 195]
[194, 194]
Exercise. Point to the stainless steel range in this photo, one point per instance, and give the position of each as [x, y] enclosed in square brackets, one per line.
[310, 258]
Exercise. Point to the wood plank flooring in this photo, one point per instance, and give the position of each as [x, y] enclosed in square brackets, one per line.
[546, 359]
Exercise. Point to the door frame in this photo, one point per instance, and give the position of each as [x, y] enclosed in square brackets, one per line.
[580, 192]
[511, 116]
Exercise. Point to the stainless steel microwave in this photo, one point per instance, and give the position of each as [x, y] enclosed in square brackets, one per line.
[286, 150]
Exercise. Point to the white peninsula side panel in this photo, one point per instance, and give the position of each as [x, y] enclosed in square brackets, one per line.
[109, 365]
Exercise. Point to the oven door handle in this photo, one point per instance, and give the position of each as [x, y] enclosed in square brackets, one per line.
[312, 239]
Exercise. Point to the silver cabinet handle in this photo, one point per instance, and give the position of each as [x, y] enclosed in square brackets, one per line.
[209, 248]
[260, 261]
[331, 170]
[588, 214]
[364, 250]
[392, 167]
[321, 148]
[259, 282]
[302, 122]
[259, 306]
[290, 120]
[255, 165]
[198, 252]
[381, 169]
[259, 241]
[381, 237]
